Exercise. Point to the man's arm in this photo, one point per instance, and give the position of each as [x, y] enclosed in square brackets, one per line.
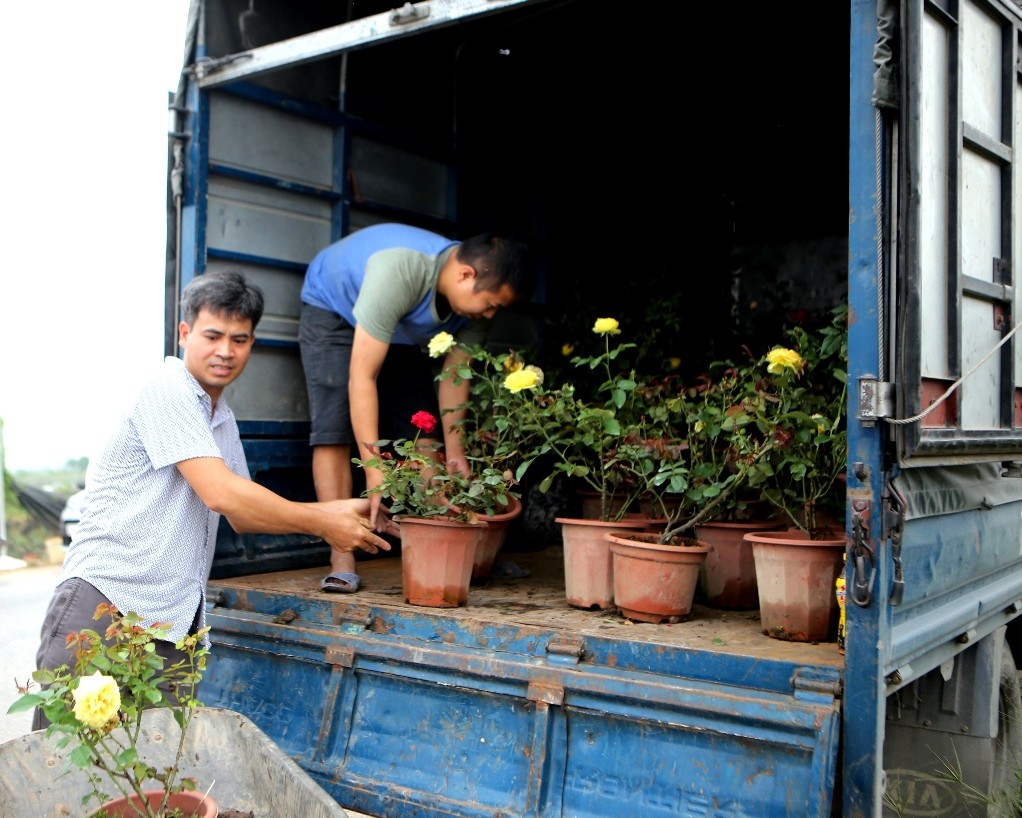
[254, 509]
[452, 398]
[367, 356]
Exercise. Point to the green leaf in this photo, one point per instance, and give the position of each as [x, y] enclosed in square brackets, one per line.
[28, 701]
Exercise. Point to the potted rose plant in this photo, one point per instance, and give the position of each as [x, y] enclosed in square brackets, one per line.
[805, 390]
[442, 514]
[416, 483]
[805, 386]
[721, 454]
[488, 424]
[96, 710]
[597, 442]
[513, 418]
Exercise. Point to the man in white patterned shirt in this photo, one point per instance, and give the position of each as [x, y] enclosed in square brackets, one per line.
[155, 496]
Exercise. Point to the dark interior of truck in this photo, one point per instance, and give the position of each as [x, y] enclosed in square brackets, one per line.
[675, 169]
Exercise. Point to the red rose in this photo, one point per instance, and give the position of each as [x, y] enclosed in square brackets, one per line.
[424, 421]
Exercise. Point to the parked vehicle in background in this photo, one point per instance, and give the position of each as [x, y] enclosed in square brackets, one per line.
[70, 516]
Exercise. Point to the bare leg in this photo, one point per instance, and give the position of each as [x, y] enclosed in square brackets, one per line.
[331, 474]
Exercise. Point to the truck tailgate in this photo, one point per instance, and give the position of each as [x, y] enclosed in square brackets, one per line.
[520, 705]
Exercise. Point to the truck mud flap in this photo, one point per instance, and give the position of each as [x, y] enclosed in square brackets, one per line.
[402, 711]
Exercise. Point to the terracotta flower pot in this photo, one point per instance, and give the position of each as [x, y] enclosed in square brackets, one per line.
[436, 560]
[728, 578]
[588, 563]
[796, 577]
[496, 533]
[654, 582]
[192, 805]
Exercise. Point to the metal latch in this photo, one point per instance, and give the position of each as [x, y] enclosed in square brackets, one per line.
[863, 559]
[893, 528]
[876, 400]
[357, 617]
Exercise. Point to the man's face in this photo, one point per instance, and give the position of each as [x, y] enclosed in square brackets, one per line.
[216, 349]
[469, 302]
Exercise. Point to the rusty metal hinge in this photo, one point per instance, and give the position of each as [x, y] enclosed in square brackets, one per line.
[339, 656]
[809, 680]
[876, 400]
[566, 649]
[546, 692]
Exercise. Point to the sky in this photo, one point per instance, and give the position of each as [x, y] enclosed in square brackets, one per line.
[84, 162]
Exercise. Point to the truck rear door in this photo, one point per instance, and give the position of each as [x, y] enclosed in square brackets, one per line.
[934, 501]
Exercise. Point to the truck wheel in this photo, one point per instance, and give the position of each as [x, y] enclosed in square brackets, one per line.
[1008, 748]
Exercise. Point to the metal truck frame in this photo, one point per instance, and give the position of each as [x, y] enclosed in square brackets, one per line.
[794, 156]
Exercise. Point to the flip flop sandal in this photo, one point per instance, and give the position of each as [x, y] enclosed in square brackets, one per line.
[341, 583]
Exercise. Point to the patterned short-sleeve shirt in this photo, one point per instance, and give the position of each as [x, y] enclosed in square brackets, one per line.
[145, 539]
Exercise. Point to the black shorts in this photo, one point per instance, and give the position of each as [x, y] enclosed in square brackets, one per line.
[406, 384]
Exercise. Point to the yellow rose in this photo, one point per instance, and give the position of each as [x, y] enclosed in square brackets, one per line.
[779, 359]
[673, 363]
[440, 344]
[699, 426]
[567, 349]
[606, 326]
[527, 378]
[97, 700]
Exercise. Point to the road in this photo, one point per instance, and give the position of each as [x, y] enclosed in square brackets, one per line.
[25, 593]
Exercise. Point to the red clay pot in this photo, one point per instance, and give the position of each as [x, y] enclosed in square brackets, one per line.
[654, 582]
[192, 805]
[436, 560]
[728, 578]
[588, 563]
[496, 533]
[796, 577]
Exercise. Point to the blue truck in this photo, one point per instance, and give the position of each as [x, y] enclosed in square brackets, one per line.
[720, 165]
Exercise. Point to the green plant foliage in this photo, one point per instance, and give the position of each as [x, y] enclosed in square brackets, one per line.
[96, 708]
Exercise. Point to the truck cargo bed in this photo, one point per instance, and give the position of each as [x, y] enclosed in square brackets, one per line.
[527, 705]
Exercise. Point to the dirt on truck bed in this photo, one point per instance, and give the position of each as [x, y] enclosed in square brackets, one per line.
[538, 601]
